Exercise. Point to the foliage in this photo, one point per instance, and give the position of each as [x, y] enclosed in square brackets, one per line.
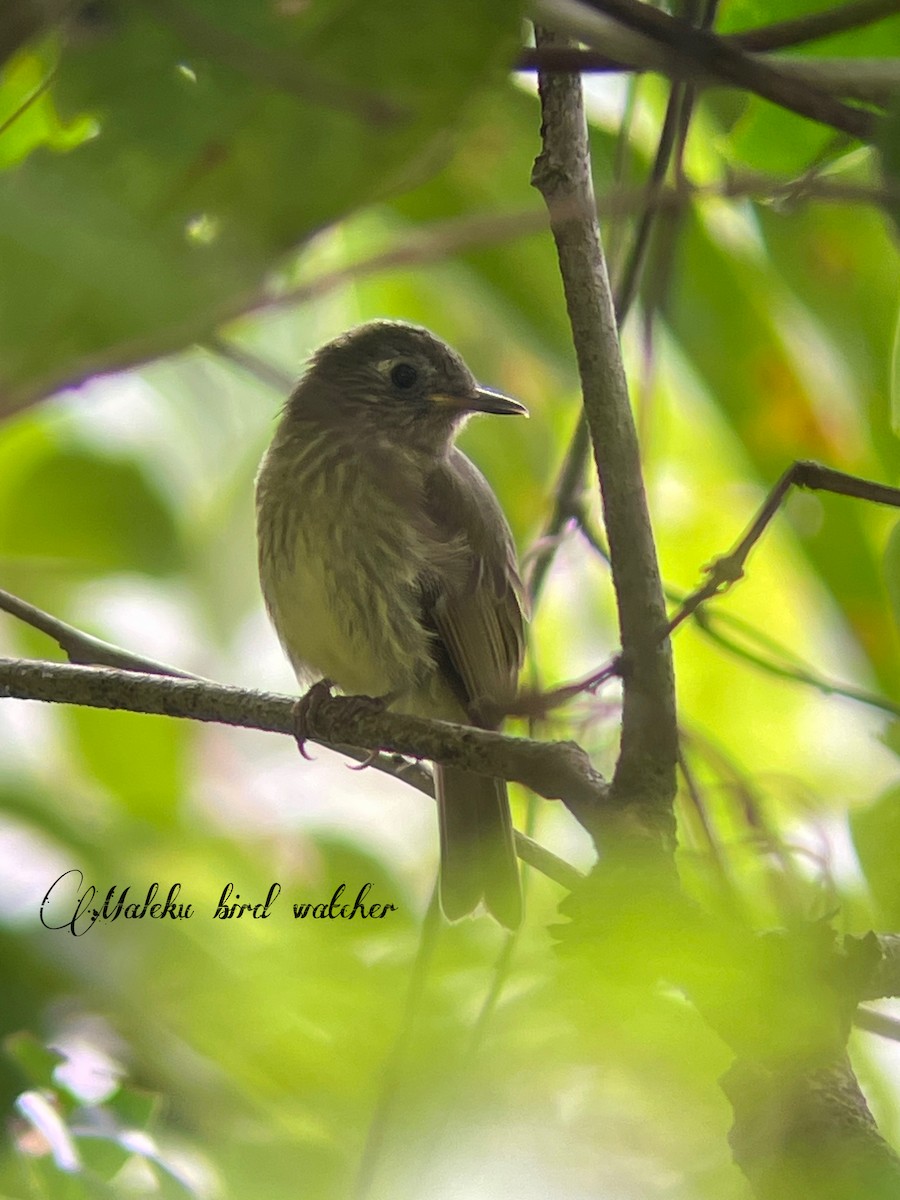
[189, 165]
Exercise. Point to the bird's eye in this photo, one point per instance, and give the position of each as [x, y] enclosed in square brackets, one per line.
[404, 375]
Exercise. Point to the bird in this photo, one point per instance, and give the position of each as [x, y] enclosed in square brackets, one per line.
[388, 568]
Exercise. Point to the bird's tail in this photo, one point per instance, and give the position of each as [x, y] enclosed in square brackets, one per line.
[478, 857]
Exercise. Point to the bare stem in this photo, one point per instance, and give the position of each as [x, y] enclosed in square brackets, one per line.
[645, 773]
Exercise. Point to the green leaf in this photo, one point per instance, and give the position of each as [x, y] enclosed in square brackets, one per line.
[36, 1060]
[90, 513]
[102, 1156]
[27, 115]
[892, 571]
[140, 759]
[227, 132]
[876, 836]
[771, 139]
[889, 146]
[755, 360]
[134, 1109]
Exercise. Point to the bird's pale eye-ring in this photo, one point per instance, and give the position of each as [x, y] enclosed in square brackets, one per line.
[404, 375]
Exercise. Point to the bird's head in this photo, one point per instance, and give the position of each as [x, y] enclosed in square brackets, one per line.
[397, 379]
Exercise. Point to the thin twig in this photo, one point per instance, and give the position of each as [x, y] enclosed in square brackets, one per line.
[440, 240]
[261, 369]
[729, 568]
[86, 650]
[721, 575]
[777, 36]
[870, 80]
[434, 242]
[557, 770]
[81, 647]
[648, 38]
[567, 500]
[714, 849]
[705, 622]
[28, 101]
[569, 488]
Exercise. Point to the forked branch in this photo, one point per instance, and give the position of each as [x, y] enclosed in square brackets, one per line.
[725, 571]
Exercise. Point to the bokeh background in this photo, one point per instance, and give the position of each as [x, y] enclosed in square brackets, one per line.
[307, 1058]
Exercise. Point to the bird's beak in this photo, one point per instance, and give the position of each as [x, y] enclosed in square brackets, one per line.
[483, 400]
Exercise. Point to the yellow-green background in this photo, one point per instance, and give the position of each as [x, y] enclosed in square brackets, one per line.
[267, 1051]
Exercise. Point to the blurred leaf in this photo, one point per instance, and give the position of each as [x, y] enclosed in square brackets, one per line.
[134, 1109]
[876, 836]
[772, 140]
[294, 1054]
[140, 759]
[41, 809]
[753, 355]
[491, 173]
[102, 1156]
[36, 1060]
[889, 145]
[892, 572]
[27, 115]
[91, 512]
[226, 134]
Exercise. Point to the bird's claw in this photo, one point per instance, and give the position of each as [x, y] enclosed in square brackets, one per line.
[308, 705]
[370, 758]
[304, 714]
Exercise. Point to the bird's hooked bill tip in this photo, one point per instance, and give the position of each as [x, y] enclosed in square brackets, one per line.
[483, 400]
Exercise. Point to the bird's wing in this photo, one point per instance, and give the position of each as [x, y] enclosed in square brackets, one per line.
[474, 600]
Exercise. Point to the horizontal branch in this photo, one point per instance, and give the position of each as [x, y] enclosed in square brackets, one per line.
[641, 37]
[556, 770]
[871, 80]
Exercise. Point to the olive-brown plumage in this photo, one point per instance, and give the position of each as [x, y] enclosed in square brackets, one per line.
[388, 568]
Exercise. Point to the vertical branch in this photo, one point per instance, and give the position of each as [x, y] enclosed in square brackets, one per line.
[644, 780]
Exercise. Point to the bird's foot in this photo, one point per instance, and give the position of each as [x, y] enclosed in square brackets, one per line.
[308, 705]
[363, 706]
[304, 715]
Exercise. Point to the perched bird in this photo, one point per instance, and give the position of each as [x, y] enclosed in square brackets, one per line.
[388, 568]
